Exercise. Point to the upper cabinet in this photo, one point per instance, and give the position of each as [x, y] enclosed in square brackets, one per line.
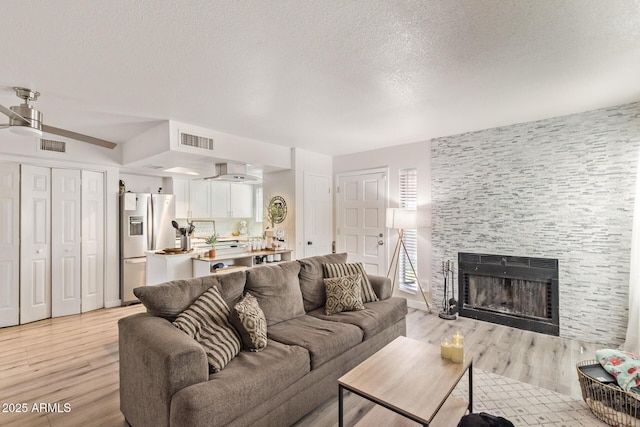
[181, 191]
[213, 199]
[232, 200]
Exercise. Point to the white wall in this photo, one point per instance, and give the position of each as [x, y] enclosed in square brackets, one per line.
[416, 155]
[146, 184]
[282, 184]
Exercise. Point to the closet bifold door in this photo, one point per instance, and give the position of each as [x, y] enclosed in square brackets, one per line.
[35, 244]
[93, 231]
[65, 242]
[9, 244]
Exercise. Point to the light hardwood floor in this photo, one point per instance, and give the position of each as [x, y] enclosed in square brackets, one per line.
[74, 360]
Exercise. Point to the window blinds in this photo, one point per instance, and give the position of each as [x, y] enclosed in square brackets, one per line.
[409, 200]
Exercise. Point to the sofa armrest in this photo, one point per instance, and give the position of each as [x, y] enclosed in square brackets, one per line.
[381, 286]
[156, 360]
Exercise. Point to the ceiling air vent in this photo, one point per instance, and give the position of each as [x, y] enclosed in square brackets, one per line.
[53, 145]
[196, 141]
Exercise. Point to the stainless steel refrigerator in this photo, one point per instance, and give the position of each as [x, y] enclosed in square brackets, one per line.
[145, 225]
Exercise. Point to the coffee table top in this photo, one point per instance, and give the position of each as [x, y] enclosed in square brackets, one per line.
[409, 376]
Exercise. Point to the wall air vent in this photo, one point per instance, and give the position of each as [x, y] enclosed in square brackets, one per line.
[53, 145]
[196, 141]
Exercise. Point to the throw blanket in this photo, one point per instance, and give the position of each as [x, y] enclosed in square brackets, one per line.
[624, 366]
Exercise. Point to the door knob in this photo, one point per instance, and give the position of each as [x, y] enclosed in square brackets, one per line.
[39, 251]
[309, 243]
[380, 242]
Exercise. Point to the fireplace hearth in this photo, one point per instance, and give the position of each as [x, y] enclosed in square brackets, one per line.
[521, 292]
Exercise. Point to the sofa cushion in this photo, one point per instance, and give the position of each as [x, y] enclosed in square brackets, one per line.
[170, 299]
[277, 289]
[343, 294]
[311, 275]
[247, 381]
[345, 269]
[323, 339]
[248, 319]
[376, 316]
[207, 321]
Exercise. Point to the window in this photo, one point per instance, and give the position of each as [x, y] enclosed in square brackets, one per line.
[409, 200]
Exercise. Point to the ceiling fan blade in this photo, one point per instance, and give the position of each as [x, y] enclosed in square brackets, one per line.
[13, 115]
[78, 136]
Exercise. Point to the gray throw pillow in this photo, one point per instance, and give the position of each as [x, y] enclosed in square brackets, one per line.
[207, 322]
[346, 269]
[343, 294]
[248, 319]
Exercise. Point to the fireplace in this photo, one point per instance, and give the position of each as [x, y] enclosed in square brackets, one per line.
[521, 292]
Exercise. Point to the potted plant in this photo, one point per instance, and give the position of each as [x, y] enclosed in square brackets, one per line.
[212, 240]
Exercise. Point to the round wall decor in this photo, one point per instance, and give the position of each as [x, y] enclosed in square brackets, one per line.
[277, 210]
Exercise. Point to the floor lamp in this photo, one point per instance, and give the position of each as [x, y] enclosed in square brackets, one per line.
[402, 219]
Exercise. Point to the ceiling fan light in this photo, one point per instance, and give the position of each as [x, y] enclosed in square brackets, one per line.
[26, 131]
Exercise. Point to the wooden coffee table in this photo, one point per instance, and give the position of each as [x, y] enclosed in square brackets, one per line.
[409, 378]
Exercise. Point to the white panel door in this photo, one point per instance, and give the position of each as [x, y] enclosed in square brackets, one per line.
[65, 242]
[317, 214]
[35, 249]
[9, 244]
[362, 200]
[93, 231]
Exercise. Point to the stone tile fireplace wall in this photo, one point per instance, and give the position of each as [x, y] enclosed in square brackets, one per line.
[556, 188]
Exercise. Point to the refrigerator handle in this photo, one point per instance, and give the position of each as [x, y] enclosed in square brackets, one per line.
[151, 244]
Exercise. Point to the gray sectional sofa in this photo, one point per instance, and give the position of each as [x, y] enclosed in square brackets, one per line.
[164, 374]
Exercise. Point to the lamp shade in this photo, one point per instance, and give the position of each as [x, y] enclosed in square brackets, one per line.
[404, 219]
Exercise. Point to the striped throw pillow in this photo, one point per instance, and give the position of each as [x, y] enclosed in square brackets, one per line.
[348, 269]
[207, 321]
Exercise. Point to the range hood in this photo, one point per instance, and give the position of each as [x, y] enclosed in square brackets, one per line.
[233, 172]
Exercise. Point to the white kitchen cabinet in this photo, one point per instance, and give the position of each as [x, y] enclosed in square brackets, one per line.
[232, 200]
[182, 197]
[241, 200]
[220, 192]
[9, 244]
[200, 199]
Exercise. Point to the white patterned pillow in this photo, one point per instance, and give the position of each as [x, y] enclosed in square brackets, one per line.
[248, 319]
[207, 321]
[343, 294]
[346, 269]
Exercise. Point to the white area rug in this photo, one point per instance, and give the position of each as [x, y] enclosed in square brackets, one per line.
[524, 404]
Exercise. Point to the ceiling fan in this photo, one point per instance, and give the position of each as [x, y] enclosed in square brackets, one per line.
[26, 120]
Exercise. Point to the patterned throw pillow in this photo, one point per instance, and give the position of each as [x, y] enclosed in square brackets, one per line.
[248, 319]
[345, 269]
[624, 366]
[343, 294]
[207, 321]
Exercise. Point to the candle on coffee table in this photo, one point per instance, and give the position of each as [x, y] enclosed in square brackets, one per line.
[445, 348]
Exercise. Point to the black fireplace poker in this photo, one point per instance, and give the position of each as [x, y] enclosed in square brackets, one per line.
[449, 304]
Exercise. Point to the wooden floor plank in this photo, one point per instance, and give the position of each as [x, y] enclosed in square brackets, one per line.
[74, 359]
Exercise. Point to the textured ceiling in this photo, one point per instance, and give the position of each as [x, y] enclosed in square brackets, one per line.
[332, 76]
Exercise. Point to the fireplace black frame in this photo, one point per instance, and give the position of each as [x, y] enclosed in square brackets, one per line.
[512, 267]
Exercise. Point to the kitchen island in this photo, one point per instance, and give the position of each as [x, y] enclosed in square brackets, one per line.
[237, 261]
[163, 267]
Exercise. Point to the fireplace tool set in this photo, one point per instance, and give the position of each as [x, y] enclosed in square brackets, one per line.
[449, 304]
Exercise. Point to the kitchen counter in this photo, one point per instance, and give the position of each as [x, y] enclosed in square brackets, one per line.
[233, 261]
[163, 267]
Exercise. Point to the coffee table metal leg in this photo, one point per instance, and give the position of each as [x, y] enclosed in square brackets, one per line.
[340, 420]
[471, 387]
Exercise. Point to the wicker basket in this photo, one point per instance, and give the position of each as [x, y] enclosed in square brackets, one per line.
[612, 405]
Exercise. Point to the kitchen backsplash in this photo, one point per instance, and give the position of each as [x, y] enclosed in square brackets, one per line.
[227, 226]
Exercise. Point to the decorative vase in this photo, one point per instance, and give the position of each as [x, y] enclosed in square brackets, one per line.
[212, 253]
